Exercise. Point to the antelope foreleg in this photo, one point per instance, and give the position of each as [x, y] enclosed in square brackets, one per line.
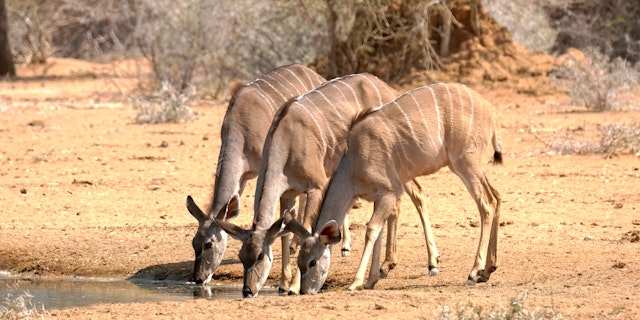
[285, 275]
[492, 254]
[391, 257]
[383, 207]
[414, 190]
[346, 237]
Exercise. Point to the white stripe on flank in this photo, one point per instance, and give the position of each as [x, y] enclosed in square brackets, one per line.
[334, 107]
[328, 126]
[380, 102]
[461, 104]
[393, 128]
[355, 96]
[470, 116]
[286, 88]
[410, 125]
[302, 85]
[284, 98]
[266, 98]
[309, 78]
[435, 103]
[328, 83]
[450, 107]
[424, 123]
[315, 121]
[344, 97]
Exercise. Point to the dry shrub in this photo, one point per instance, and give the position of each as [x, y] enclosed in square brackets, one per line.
[610, 25]
[597, 82]
[19, 306]
[620, 138]
[526, 20]
[164, 106]
[615, 139]
[390, 38]
[210, 43]
[515, 310]
[84, 29]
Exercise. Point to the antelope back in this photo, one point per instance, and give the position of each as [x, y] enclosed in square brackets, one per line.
[426, 129]
[313, 127]
[252, 107]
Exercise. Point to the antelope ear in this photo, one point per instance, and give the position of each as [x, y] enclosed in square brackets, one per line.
[234, 88]
[277, 230]
[330, 233]
[233, 230]
[195, 210]
[293, 225]
[231, 210]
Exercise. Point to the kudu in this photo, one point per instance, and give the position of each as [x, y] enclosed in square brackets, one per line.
[244, 128]
[301, 151]
[417, 134]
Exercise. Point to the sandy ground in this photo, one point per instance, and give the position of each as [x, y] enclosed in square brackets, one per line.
[87, 192]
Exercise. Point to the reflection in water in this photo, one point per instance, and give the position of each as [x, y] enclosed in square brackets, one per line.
[59, 293]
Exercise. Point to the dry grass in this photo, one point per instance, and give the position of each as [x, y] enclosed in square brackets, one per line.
[515, 310]
[19, 307]
[615, 139]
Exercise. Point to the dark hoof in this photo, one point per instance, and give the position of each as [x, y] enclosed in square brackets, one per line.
[484, 275]
[386, 268]
[433, 272]
[282, 292]
[470, 282]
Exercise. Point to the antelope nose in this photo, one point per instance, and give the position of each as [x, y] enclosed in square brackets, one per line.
[246, 292]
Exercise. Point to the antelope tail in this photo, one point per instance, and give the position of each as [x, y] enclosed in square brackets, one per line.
[497, 153]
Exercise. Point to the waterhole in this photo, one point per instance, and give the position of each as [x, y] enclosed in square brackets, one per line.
[60, 293]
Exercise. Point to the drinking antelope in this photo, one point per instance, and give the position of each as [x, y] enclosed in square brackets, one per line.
[301, 151]
[417, 134]
[244, 129]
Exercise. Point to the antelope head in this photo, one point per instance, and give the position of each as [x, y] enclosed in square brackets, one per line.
[314, 257]
[210, 241]
[255, 253]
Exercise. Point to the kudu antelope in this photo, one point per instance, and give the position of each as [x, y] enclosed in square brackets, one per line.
[302, 150]
[417, 134]
[244, 129]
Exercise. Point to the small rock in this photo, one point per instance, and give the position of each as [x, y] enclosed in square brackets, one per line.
[23, 191]
[164, 144]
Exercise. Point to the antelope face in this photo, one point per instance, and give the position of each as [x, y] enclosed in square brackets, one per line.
[255, 253]
[314, 257]
[314, 260]
[210, 241]
[209, 245]
[256, 258]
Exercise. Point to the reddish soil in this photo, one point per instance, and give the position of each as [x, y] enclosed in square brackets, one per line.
[90, 193]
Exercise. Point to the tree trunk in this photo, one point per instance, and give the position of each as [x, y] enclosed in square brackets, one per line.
[6, 59]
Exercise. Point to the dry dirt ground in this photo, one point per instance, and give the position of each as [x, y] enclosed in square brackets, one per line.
[87, 192]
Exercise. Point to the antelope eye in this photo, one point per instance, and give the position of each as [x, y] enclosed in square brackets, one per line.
[313, 263]
[261, 256]
[208, 245]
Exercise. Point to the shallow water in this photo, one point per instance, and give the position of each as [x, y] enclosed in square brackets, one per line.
[60, 293]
